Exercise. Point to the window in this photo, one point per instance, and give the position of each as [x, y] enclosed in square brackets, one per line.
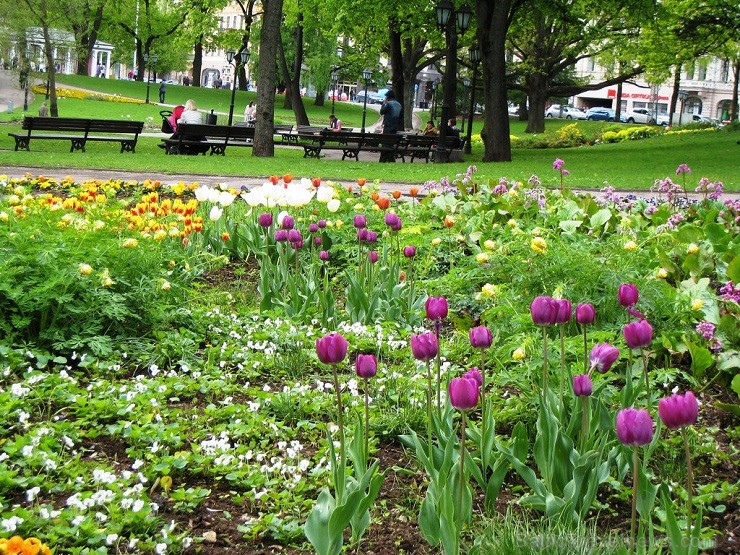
[590, 64]
[725, 71]
[702, 71]
[690, 70]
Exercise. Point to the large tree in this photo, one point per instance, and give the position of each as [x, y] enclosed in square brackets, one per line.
[269, 37]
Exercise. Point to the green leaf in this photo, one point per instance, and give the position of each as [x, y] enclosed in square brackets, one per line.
[733, 270]
[701, 359]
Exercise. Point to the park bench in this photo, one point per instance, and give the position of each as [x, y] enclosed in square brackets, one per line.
[350, 143]
[425, 147]
[216, 138]
[79, 131]
[286, 133]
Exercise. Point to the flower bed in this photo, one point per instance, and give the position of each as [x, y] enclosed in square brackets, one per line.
[188, 369]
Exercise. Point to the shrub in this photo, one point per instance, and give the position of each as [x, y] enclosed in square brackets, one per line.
[571, 135]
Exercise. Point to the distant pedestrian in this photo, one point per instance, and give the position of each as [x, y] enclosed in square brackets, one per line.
[250, 113]
[186, 81]
[391, 111]
[162, 91]
[43, 110]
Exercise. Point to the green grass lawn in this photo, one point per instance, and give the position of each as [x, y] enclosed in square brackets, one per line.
[628, 165]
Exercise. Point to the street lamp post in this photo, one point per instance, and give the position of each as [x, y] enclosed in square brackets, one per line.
[27, 68]
[466, 86]
[474, 56]
[241, 61]
[149, 61]
[334, 85]
[446, 19]
[366, 75]
[682, 96]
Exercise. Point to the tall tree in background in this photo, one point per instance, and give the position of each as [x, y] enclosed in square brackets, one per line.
[269, 37]
[494, 19]
[85, 18]
[201, 29]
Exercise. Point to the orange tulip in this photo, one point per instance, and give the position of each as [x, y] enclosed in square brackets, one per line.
[413, 191]
[449, 221]
[225, 236]
[383, 203]
[349, 188]
[375, 196]
[361, 181]
[287, 178]
[274, 179]
[316, 181]
[396, 194]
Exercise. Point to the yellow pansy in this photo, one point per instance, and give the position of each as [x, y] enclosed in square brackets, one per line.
[538, 245]
[693, 248]
[630, 246]
[697, 304]
[519, 354]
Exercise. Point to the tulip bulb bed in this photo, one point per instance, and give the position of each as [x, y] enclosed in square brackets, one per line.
[479, 367]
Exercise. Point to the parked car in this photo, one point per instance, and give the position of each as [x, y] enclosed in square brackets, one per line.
[372, 97]
[663, 120]
[600, 113]
[701, 118]
[640, 115]
[567, 112]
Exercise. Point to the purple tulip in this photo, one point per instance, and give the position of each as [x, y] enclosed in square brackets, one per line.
[265, 219]
[603, 356]
[317, 240]
[409, 251]
[366, 366]
[297, 244]
[331, 348]
[392, 219]
[582, 386]
[463, 393]
[638, 334]
[634, 427]
[585, 313]
[372, 237]
[424, 346]
[372, 256]
[362, 234]
[678, 411]
[321, 224]
[475, 375]
[480, 337]
[313, 228]
[627, 295]
[397, 226]
[360, 221]
[288, 222]
[544, 311]
[281, 235]
[294, 236]
[436, 308]
[636, 313]
[565, 310]
[324, 255]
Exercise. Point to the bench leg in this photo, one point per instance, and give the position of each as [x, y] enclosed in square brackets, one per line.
[22, 142]
[78, 144]
[128, 146]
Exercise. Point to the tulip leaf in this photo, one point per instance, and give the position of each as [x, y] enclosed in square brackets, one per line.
[733, 270]
[701, 359]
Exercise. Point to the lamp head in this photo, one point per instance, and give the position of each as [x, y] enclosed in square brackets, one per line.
[474, 54]
[444, 12]
[230, 55]
[367, 74]
[463, 18]
[244, 55]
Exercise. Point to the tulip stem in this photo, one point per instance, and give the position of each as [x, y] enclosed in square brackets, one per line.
[584, 424]
[689, 485]
[544, 362]
[635, 484]
[562, 362]
[340, 423]
[367, 421]
[429, 409]
[483, 451]
[585, 351]
[645, 373]
[462, 477]
[437, 327]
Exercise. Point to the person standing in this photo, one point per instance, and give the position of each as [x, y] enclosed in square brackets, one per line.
[391, 112]
[162, 91]
[250, 113]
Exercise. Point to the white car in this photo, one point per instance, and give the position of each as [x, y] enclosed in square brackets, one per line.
[700, 118]
[640, 115]
[567, 112]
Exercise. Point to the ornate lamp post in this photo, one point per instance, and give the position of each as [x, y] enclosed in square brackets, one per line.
[335, 78]
[466, 86]
[474, 56]
[242, 60]
[149, 61]
[366, 75]
[682, 96]
[446, 22]
[27, 69]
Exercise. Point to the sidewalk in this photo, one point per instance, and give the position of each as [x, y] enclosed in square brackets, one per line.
[10, 91]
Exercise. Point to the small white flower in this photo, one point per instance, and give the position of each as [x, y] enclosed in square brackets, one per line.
[110, 538]
[32, 493]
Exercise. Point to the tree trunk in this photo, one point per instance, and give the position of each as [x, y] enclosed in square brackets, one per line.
[197, 61]
[265, 124]
[301, 117]
[320, 98]
[493, 24]
[88, 41]
[398, 80]
[674, 93]
[288, 98]
[49, 52]
[736, 81]
[537, 92]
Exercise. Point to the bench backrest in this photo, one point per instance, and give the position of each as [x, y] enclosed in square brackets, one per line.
[429, 140]
[33, 123]
[283, 127]
[215, 131]
[310, 129]
[115, 126]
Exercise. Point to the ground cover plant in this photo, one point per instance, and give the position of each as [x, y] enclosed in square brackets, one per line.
[483, 366]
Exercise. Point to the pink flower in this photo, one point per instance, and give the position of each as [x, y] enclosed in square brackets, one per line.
[638, 334]
[331, 348]
[463, 393]
[634, 427]
[480, 337]
[558, 164]
[366, 366]
[678, 411]
[682, 168]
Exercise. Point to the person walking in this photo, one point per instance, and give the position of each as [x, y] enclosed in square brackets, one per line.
[162, 91]
[391, 112]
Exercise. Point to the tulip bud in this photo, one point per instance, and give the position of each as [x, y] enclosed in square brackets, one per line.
[627, 295]
[582, 385]
[565, 310]
[366, 366]
[324, 255]
[463, 393]
[409, 251]
[544, 310]
[475, 375]
[634, 427]
[603, 356]
[372, 256]
[678, 411]
[332, 348]
[288, 222]
[480, 337]
[585, 313]
[281, 235]
[638, 334]
[265, 219]
[436, 308]
[424, 346]
[360, 221]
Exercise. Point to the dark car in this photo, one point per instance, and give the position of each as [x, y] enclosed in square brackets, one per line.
[600, 114]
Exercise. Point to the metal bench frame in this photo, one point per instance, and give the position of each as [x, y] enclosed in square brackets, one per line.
[78, 132]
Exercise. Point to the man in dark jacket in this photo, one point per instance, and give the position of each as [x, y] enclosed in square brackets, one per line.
[391, 111]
